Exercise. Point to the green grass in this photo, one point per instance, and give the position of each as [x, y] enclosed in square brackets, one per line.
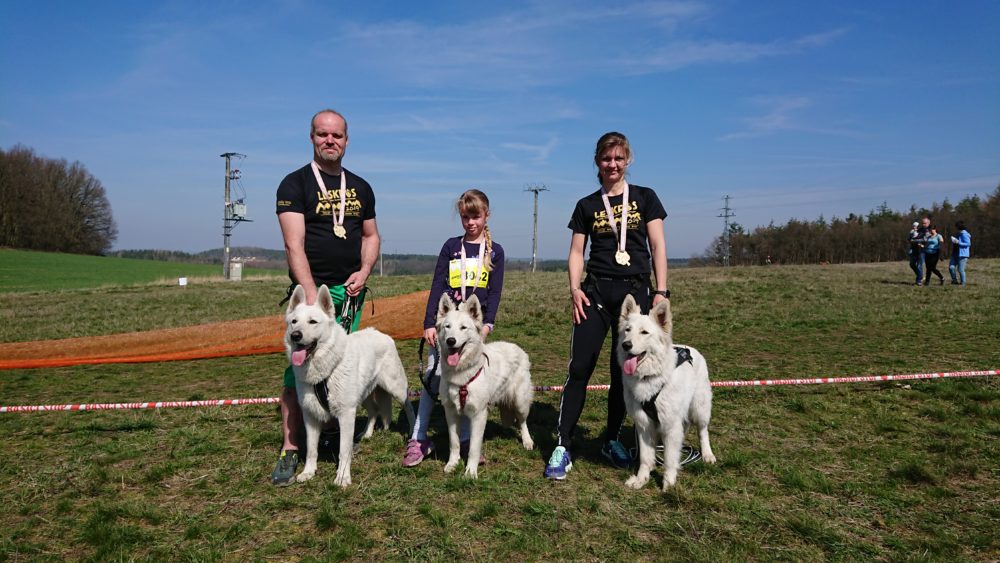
[814, 473]
[22, 270]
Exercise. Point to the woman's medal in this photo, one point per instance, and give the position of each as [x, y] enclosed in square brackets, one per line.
[621, 256]
[338, 218]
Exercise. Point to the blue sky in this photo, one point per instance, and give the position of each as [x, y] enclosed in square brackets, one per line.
[795, 109]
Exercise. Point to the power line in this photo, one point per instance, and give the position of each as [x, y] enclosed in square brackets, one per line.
[534, 238]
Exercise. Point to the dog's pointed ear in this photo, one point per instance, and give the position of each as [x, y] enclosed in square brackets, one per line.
[629, 307]
[324, 301]
[474, 309]
[445, 306]
[298, 297]
[661, 314]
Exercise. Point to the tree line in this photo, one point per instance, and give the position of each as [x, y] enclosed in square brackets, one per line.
[879, 236]
[52, 205]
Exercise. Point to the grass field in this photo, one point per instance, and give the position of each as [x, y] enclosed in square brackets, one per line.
[847, 472]
[22, 270]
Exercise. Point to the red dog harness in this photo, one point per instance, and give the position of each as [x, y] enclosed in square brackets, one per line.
[463, 391]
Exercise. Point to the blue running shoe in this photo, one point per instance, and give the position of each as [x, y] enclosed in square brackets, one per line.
[559, 464]
[617, 454]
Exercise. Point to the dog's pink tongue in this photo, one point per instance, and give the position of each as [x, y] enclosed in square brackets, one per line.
[299, 357]
[453, 358]
[630, 365]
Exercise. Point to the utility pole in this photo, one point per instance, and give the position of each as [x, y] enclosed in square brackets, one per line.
[534, 237]
[232, 214]
[726, 214]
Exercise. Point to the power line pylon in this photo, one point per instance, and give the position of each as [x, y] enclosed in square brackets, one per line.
[534, 237]
[726, 214]
[232, 214]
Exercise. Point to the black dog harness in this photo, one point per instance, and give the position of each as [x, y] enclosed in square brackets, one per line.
[350, 309]
[649, 406]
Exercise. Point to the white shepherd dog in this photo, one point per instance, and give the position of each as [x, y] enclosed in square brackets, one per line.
[666, 388]
[476, 375]
[336, 372]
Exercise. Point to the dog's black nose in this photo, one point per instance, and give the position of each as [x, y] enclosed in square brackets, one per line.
[627, 345]
[296, 335]
[450, 341]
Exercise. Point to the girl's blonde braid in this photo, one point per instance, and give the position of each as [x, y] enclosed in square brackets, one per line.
[488, 260]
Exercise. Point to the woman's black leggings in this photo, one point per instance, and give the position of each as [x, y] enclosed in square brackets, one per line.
[930, 266]
[606, 297]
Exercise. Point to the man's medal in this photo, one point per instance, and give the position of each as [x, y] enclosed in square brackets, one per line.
[621, 256]
[338, 218]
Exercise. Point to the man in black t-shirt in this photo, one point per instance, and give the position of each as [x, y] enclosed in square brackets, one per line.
[327, 218]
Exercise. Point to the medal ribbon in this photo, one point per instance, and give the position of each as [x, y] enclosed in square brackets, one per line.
[611, 219]
[479, 269]
[338, 219]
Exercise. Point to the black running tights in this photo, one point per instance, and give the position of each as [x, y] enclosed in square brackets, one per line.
[606, 298]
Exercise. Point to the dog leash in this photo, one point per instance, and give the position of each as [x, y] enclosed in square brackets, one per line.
[425, 376]
[348, 312]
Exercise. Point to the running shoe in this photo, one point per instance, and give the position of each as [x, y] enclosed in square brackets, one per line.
[559, 464]
[416, 451]
[284, 470]
[617, 454]
[463, 451]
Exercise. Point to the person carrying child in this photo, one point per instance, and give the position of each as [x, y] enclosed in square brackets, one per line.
[471, 264]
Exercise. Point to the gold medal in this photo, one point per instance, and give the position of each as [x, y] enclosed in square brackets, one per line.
[621, 256]
[340, 231]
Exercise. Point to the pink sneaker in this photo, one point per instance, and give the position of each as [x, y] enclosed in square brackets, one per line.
[463, 450]
[416, 451]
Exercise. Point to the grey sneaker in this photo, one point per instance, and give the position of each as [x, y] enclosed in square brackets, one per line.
[284, 470]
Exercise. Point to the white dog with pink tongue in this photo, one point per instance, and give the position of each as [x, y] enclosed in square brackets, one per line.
[335, 373]
[666, 388]
[477, 375]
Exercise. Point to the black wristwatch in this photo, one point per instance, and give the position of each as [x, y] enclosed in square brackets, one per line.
[665, 293]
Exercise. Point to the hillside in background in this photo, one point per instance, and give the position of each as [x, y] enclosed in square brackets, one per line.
[392, 264]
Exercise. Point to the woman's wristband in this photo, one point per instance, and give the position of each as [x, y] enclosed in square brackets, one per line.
[665, 293]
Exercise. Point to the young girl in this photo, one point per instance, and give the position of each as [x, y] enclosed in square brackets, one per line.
[468, 265]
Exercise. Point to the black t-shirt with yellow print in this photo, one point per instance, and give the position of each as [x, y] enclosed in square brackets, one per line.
[331, 259]
[590, 219]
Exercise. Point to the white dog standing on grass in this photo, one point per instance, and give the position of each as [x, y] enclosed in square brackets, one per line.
[475, 375]
[666, 388]
[336, 372]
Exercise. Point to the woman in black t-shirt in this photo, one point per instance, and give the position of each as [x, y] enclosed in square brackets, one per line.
[624, 224]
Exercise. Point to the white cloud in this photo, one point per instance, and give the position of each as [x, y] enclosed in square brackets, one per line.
[541, 152]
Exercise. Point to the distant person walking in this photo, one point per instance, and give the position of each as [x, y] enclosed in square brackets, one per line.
[916, 239]
[624, 224]
[932, 252]
[960, 246]
[327, 219]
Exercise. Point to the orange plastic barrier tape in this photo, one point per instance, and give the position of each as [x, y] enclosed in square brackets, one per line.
[401, 317]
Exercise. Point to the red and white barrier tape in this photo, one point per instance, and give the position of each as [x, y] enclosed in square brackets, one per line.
[134, 406]
[275, 400]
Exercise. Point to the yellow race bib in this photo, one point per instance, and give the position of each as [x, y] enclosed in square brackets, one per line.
[471, 267]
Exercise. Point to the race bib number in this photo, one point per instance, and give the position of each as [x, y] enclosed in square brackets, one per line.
[471, 266]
